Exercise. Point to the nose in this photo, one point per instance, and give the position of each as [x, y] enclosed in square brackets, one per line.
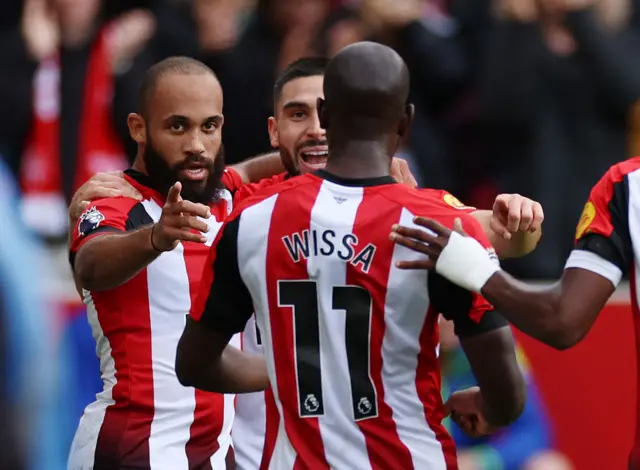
[314, 130]
[194, 143]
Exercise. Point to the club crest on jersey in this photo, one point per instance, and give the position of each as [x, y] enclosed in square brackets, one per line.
[586, 218]
[302, 245]
[454, 202]
[89, 221]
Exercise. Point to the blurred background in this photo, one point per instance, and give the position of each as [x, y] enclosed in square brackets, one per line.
[537, 97]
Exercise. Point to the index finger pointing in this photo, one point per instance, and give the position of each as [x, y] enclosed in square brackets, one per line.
[174, 193]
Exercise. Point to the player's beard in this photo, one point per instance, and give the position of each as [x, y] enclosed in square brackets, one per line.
[164, 176]
[289, 162]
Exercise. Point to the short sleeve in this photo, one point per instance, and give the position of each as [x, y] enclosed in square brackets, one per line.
[471, 313]
[454, 202]
[224, 302]
[603, 241]
[231, 179]
[101, 216]
[250, 189]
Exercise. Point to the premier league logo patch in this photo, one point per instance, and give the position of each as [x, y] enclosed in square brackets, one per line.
[89, 221]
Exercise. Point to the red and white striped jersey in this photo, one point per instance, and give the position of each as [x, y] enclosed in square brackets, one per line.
[350, 340]
[608, 242]
[250, 423]
[144, 418]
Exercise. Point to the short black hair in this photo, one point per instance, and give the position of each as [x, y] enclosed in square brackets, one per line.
[366, 87]
[301, 68]
[173, 65]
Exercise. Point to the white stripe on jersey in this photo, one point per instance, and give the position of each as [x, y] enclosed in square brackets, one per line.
[344, 444]
[252, 260]
[83, 447]
[168, 437]
[250, 423]
[400, 349]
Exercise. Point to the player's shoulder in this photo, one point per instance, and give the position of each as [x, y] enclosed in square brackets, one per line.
[616, 173]
[281, 184]
[118, 204]
[436, 202]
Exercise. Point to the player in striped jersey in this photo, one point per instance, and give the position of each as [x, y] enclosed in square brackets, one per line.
[139, 262]
[607, 247]
[350, 341]
[295, 130]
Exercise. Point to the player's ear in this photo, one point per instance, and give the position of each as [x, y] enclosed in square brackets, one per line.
[137, 128]
[274, 138]
[405, 123]
[322, 114]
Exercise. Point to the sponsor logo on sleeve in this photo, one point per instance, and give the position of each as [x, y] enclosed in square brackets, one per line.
[588, 214]
[89, 221]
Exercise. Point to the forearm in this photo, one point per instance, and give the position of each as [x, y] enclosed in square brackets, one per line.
[109, 261]
[536, 310]
[260, 167]
[520, 243]
[234, 372]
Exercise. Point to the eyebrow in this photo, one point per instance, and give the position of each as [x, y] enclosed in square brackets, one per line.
[180, 118]
[294, 104]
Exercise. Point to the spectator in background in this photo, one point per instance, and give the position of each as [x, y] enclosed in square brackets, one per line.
[60, 131]
[423, 34]
[30, 407]
[558, 82]
[525, 445]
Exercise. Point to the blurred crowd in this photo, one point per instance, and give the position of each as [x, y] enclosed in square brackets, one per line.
[530, 96]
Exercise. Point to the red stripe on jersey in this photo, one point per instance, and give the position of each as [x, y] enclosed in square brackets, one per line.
[124, 435]
[208, 416]
[304, 434]
[272, 418]
[634, 460]
[428, 385]
[375, 215]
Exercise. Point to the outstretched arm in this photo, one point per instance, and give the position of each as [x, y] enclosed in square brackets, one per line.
[260, 167]
[559, 315]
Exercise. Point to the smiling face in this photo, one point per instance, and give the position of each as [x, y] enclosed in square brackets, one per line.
[181, 134]
[296, 130]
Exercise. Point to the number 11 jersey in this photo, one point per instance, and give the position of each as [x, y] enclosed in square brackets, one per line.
[350, 341]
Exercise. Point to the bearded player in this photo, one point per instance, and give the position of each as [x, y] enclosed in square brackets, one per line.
[139, 262]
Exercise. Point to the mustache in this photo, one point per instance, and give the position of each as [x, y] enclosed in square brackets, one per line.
[311, 143]
[197, 159]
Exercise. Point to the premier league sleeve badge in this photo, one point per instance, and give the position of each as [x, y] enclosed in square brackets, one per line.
[89, 221]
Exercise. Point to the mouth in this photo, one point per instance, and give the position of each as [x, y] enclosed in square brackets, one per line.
[195, 173]
[315, 158]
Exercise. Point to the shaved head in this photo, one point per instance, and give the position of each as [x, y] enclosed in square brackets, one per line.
[366, 87]
[165, 68]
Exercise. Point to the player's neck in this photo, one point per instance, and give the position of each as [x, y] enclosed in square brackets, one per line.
[358, 159]
[138, 164]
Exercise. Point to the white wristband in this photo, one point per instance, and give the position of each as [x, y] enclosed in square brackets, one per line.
[465, 262]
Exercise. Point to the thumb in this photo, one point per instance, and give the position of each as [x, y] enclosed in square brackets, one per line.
[448, 408]
[499, 227]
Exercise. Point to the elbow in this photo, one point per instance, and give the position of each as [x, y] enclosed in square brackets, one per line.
[510, 407]
[85, 273]
[564, 334]
[186, 374]
[564, 339]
